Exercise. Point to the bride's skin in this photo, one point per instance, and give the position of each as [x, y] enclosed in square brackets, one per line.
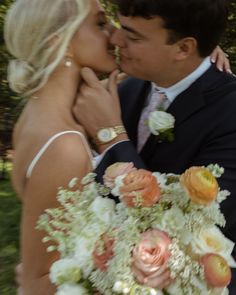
[46, 113]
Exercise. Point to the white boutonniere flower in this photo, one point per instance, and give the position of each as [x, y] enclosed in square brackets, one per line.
[161, 123]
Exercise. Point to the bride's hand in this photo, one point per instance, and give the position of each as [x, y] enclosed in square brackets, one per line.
[219, 57]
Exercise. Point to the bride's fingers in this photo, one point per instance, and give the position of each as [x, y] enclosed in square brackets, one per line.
[89, 77]
[219, 57]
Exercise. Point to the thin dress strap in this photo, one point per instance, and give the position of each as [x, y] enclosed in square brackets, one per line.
[46, 145]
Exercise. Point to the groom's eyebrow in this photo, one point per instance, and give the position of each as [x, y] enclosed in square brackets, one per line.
[131, 30]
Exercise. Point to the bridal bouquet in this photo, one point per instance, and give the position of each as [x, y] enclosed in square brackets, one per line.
[161, 238]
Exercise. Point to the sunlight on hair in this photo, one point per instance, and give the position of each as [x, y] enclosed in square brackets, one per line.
[37, 34]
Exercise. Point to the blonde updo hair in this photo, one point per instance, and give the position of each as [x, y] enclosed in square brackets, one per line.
[30, 25]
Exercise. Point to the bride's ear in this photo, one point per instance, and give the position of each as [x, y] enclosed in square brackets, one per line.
[186, 47]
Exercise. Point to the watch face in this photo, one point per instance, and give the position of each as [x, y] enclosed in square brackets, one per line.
[106, 134]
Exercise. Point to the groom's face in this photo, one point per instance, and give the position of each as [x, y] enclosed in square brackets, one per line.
[145, 51]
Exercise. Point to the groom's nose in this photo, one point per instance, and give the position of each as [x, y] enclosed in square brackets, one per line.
[117, 38]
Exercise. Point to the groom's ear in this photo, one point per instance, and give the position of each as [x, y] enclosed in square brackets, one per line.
[186, 48]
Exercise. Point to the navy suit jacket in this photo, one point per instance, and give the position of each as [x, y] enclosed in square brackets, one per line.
[205, 132]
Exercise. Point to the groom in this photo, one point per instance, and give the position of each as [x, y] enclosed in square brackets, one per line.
[168, 43]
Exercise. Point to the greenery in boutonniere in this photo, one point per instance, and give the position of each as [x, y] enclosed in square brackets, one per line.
[162, 124]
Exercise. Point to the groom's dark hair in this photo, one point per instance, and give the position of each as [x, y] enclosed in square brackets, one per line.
[205, 20]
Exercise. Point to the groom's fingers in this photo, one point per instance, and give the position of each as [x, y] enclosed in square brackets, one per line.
[89, 77]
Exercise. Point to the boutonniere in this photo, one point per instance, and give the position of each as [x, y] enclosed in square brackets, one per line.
[162, 124]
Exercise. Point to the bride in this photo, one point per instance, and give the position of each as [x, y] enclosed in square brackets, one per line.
[51, 41]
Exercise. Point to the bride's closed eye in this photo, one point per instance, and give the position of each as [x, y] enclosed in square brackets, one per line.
[102, 22]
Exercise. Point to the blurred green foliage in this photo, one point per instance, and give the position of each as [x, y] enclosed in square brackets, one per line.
[9, 234]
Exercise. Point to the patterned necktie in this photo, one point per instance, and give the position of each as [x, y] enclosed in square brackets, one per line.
[157, 100]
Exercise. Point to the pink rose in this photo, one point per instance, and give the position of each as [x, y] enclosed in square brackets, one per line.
[150, 258]
[115, 170]
[140, 183]
[100, 259]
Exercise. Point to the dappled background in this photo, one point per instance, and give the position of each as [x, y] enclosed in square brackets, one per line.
[10, 108]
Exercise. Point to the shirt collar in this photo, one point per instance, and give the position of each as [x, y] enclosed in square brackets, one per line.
[173, 91]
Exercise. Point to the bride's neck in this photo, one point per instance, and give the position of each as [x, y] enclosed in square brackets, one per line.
[61, 88]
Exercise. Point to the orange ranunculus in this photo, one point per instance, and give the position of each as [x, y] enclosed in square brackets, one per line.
[140, 183]
[216, 269]
[200, 184]
[116, 170]
[100, 259]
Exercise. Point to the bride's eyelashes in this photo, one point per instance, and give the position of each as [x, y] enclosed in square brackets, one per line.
[102, 23]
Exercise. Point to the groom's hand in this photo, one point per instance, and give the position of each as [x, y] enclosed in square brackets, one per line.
[97, 105]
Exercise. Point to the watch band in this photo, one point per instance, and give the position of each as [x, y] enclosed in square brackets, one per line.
[114, 131]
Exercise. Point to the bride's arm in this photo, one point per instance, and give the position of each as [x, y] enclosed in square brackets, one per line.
[65, 159]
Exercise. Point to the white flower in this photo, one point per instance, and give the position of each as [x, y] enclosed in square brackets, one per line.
[211, 240]
[65, 270]
[83, 253]
[72, 289]
[174, 288]
[118, 183]
[161, 178]
[104, 209]
[219, 291]
[173, 219]
[160, 121]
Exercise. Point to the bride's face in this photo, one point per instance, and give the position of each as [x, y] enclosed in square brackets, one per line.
[91, 45]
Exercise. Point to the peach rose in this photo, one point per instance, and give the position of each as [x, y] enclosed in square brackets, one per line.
[100, 258]
[140, 183]
[200, 184]
[150, 258]
[116, 170]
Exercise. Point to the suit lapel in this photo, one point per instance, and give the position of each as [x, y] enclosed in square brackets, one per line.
[188, 102]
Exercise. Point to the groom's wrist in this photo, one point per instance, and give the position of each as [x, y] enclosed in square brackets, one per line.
[100, 148]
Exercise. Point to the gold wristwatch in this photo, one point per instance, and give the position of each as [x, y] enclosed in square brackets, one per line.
[106, 135]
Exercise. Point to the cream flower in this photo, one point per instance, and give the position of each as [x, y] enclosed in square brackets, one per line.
[72, 289]
[65, 270]
[103, 209]
[160, 121]
[211, 240]
[173, 220]
[84, 247]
